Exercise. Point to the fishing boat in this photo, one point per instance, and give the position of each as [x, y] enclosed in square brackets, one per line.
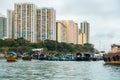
[86, 56]
[78, 57]
[11, 57]
[42, 57]
[113, 57]
[27, 56]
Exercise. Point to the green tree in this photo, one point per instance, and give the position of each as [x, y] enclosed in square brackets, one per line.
[88, 47]
[4, 49]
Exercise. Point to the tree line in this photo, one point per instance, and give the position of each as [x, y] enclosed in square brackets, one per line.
[21, 45]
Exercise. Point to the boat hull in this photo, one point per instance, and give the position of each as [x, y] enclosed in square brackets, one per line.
[113, 62]
[11, 58]
[112, 58]
[27, 58]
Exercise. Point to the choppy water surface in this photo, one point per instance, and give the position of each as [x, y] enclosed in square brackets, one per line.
[56, 70]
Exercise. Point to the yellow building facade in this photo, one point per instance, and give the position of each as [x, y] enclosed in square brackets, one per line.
[60, 32]
[82, 39]
[71, 31]
[115, 48]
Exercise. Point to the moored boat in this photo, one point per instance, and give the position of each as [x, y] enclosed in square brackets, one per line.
[84, 57]
[27, 56]
[42, 57]
[113, 57]
[11, 57]
[78, 57]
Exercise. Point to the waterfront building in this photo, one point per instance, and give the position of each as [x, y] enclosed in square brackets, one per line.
[46, 24]
[76, 33]
[10, 16]
[25, 21]
[32, 23]
[71, 31]
[82, 38]
[3, 27]
[60, 32]
[85, 28]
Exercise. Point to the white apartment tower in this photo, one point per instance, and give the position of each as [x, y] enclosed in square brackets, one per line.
[31, 23]
[25, 21]
[10, 23]
[3, 27]
[46, 20]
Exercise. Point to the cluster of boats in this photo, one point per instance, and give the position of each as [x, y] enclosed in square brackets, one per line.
[112, 57]
[12, 57]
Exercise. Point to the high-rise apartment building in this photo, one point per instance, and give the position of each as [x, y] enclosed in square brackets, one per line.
[76, 33]
[46, 20]
[25, 21]
[85, 28]
[31, 23]
[10, 15]
[82, 38]
[71, 31]
[3, 27]
[60, 32]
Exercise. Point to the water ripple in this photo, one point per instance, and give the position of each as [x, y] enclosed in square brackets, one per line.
[56, 70]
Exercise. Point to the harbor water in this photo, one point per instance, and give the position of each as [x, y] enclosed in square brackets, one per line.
[58, 70]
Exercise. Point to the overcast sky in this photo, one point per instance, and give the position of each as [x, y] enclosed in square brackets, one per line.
[103, 16]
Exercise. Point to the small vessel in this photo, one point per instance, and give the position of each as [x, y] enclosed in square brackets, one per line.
[42, 57]
[11, 57]
[84, 56]
[35, 54]
[69, 57]
[87, 57]
[78, 57]
[113, 57]
[27, 56]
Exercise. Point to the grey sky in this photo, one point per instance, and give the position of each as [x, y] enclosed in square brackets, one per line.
[103, 16]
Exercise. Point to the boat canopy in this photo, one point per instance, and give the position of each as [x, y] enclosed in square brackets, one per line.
[11, 53]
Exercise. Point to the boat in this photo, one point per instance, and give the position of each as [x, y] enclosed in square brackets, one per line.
[35, 54]
[11, 57]
[78, 57]
[27, 56]
[69, 57]
[87, 57]
[42, 56]
[112, 57]
[84, 56]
